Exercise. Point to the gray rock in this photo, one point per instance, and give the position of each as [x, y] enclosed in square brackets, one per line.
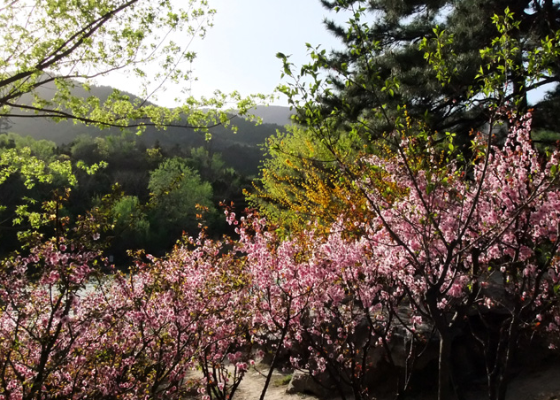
[302, 382]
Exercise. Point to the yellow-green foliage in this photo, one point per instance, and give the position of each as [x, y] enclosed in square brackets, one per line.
[312, 176]
[301, 180]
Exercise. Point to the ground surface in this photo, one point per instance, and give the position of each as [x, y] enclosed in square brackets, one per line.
[538, 385]
[253, 383]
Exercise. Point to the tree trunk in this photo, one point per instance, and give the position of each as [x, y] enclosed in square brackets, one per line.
[444, 377]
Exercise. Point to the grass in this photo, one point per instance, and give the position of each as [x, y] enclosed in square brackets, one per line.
[285, 380]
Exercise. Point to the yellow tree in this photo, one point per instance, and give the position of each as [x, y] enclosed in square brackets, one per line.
[306, 177]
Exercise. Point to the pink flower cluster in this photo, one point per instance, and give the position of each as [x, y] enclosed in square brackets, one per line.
[74, 334]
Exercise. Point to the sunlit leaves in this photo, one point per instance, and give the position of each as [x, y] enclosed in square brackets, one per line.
[72, 43]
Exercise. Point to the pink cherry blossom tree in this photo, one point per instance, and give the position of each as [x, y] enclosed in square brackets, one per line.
[455, 232]
[457, 242]
[68, 333]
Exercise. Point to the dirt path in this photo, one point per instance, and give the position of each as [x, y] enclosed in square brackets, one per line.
[253, 383]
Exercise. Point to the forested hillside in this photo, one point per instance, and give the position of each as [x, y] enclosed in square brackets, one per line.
[159, 176]
[240, 150]
[156, 192]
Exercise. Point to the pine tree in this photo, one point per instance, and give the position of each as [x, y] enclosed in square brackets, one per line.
[382, 42]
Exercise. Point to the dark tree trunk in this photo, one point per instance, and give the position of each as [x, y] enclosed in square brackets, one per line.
[445, 391]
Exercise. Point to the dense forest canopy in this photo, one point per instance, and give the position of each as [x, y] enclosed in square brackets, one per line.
[159, 186]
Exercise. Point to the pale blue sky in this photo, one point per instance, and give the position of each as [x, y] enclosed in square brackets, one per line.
[239, 51]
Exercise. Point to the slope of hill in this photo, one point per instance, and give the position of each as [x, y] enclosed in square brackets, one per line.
[240, 150]
[278, 115]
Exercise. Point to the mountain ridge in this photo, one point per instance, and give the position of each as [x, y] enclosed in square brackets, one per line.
[242, 150]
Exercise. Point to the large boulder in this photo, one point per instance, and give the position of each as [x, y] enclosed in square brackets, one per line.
[303, 382]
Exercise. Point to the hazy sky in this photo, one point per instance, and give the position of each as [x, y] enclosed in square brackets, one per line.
[239, 51]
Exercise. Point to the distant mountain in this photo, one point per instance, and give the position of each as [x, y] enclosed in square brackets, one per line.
[278, 115]
[241, 150]
[62, 132]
